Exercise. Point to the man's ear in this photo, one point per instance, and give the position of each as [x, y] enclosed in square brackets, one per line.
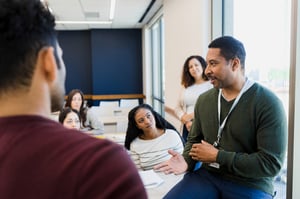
[236, 63]
[46, 63]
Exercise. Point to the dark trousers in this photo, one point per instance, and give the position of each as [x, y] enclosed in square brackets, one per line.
[202, 184]
[185, 133]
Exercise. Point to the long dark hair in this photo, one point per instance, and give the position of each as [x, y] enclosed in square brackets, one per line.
[83, 110]
[133, 131]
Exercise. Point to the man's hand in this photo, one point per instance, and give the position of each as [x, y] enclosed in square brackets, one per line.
[204, 152]
[176, 164]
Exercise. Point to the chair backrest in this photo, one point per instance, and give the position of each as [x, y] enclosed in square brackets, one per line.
[114, 103]
[102, 111]
[130, 103]
[122, 125]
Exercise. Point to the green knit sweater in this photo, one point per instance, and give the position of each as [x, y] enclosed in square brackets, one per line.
[254, 139]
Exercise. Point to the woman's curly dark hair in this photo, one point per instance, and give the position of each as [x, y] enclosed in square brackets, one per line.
[186, 78]
[133, 131]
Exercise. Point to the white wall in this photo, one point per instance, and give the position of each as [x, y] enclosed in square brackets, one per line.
[187, 32]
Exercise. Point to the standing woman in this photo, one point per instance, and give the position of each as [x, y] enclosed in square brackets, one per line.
[194, 82]
[89, 121]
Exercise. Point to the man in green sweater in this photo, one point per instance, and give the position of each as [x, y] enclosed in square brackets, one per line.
[239, 133]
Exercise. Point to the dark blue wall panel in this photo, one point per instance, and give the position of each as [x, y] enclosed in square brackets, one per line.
[77, 57]
[117, 61]
[104, 61]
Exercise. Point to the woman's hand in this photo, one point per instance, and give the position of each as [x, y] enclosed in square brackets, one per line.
[188, 125]
[187, 118]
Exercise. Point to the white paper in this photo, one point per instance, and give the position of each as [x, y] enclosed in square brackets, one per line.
[150, 179]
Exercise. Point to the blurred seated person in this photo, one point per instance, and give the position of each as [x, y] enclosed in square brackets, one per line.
[69, 118]
[149, 137]
[89, 121]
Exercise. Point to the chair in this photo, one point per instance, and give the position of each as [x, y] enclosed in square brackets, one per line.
[102, 111]
[130, 103]
[114, 103]
[122, 125]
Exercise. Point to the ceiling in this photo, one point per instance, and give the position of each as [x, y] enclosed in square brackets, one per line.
[128, 13]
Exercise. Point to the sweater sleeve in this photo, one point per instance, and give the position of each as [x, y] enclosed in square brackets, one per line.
[195, 136]
[136, 159]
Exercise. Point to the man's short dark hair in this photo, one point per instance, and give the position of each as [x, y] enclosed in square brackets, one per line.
[26, 26]
[230, 48]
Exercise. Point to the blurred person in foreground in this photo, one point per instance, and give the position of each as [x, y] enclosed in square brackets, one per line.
[39, 157]
[239, 133]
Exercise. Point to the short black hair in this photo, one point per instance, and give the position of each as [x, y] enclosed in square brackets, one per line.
[230, 48]
[26, 26]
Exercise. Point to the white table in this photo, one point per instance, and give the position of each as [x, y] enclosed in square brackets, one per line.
[169, 181]
[155, 192]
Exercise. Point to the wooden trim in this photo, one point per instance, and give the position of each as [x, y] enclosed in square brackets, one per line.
[112, 97]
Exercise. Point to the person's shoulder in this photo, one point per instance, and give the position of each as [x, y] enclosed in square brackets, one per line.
[210, 93]
[171, 133]
[262, 91]
[264, 97]
[55, 132]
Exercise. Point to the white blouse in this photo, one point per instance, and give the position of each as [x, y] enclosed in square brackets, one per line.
[148, 153]
[188, 97]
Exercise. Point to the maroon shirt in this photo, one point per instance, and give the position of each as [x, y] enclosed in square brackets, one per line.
[39, 158]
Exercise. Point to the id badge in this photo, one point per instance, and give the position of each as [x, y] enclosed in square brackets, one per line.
[215, 165]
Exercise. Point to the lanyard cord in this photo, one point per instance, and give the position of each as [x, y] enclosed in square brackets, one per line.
[246, 86]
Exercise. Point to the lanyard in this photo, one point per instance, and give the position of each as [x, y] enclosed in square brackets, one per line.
[246, 86]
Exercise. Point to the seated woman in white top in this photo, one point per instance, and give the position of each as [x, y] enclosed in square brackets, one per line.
[89, 121]
[149, 137]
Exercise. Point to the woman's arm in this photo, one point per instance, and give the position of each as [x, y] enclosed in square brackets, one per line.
[94, 122]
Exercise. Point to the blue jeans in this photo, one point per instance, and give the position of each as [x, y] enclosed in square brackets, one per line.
[185, 133]
[202, 184]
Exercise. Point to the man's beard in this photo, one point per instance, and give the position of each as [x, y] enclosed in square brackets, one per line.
[57, 99]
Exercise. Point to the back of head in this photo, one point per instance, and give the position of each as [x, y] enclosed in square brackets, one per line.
[26, 26]
[230, 48]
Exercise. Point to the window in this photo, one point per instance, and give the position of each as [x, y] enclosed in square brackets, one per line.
[157, 61]
[264, 28]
